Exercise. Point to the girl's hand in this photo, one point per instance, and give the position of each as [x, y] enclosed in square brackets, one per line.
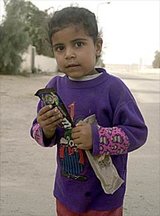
[48, 118]
[82, 136]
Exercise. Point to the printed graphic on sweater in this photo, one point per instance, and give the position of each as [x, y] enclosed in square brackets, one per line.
[71, 158]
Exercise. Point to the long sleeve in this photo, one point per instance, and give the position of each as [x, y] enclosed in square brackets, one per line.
[128, 133]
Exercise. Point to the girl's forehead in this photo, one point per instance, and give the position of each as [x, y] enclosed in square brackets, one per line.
[70, 32]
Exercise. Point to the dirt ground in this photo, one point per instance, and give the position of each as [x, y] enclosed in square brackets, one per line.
[27, 170]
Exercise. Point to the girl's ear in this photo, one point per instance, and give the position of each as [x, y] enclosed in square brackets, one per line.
[98, 45]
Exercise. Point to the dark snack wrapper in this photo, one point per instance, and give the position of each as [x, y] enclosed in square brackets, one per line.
[50, 97]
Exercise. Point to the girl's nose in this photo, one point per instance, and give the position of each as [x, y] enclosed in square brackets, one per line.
[70, 53]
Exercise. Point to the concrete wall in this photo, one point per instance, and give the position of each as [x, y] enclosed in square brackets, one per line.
[45, 64]
[39, 62]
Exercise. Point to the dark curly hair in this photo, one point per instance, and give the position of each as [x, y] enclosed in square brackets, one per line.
[74, 16]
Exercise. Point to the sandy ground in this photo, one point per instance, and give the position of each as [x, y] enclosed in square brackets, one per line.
[27, 170]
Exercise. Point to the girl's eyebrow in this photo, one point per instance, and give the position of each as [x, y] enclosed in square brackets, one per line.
[72, 41]
[79, 39]
[57, 44]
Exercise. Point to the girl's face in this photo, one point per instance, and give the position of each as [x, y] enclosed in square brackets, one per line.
[75, 51]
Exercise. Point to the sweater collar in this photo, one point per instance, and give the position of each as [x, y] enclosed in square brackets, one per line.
[88, 82]
[85, 78]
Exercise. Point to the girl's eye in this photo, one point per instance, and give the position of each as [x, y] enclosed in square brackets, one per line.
[59, 48]
[79, 44]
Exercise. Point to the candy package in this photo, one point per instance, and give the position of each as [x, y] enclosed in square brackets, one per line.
[50, 97]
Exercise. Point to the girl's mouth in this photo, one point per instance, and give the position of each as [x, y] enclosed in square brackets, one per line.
[72, 65]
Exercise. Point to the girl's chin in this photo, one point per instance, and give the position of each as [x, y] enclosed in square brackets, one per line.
[75, 74]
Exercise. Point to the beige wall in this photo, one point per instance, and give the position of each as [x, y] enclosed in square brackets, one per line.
[41, 63]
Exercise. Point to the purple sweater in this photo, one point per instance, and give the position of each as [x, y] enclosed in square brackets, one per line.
[120, 129]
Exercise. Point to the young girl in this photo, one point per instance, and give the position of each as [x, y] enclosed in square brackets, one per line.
[87, 91]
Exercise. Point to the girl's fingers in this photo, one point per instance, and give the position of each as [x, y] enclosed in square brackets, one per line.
[81, 146]
[51, 126]
[77, 141]
[45, 109]
[47, 113]
[76, 129]
[53, 121]
[75, 135]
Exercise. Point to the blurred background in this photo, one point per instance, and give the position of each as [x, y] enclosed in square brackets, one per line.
[131, 51]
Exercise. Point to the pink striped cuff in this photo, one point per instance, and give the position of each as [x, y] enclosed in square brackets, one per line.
[37, 134]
